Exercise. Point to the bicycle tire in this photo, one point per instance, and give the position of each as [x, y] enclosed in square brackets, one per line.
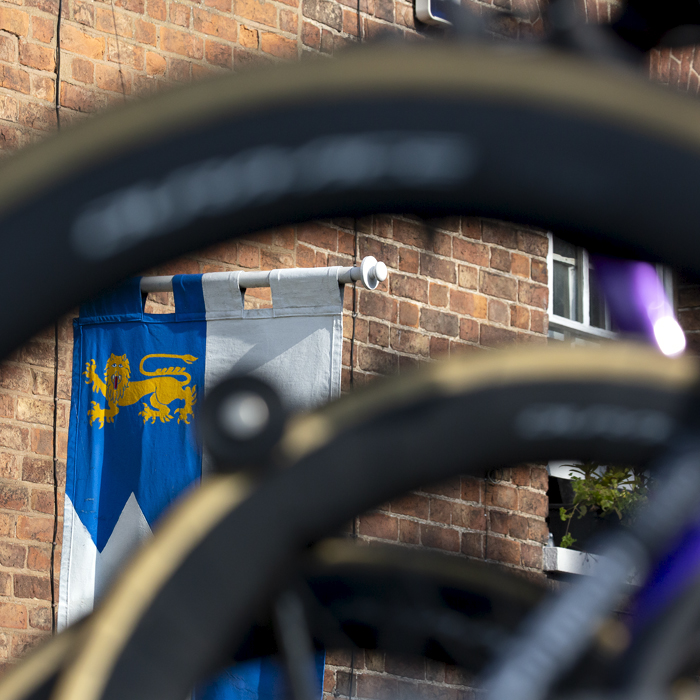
[404, 601]
[344, 459]
[525, 134]
[360, 597]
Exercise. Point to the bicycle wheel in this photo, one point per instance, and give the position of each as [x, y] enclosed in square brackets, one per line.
[389, 598]
[609, 403]
[526, 134]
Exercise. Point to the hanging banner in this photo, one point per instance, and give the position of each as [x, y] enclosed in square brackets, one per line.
[137, 381]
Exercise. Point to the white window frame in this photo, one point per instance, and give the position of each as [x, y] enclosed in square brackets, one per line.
[561, 328]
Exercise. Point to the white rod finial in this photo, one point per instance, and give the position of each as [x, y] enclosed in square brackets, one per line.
[372, 272]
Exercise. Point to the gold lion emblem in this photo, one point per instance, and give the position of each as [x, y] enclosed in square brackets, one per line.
[163, 389]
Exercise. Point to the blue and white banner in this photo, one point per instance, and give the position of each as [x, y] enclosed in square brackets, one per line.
[137, 381]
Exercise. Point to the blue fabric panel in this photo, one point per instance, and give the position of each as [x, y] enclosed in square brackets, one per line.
[189, 297]
[123, 303]
[259, 679]
[135, 442]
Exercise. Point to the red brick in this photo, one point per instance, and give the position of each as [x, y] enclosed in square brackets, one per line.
[374, 360]
[22, 644]
[156, 9]
[319, 236]
[472, 544]
[439, 348]
[43, 87]
[35, 528]
[469, 330]
[492, 337]
[409, 287]
[76, 41]
[501, 496]
[15, 79]
[500, 259]
[38, 471]
[257, 11]
[27, 586]
[40, 618]
[406, 667]
[409, 260]
[42, 501]
[13, 615]
[83, 70]
[438, 268]
[182, 43]
[439, 322]
[41, 441]
[39, 559]
[539, 321]
[12, 555]
[131, 5]
[502, 549]
[14, 496]
[7, 525]
[533, 294]
[500, 234]
[79, 99]
[408, 314]
[36, 56]
[531, 556]
[409, 531]
[43, 29]
[14, 21]
[539, 478]
[289, 21]
[379, 525]
[438, 294]
[378, 334]
[441, 511]
[410, 342]
[34, 411]
[411, 504]
[13, 437]
[215, 25]
[155, 64]
[533, 243]
[534, 503]
[9, 466]
[377, 306]
[411, 233]
[519, 317]
[467, 516]
[15, 378]
[498, 285]
[145, 32]
[537, 530]
[498, 312]
[377, 687]
[520, 265]
[539, 271]
[277, 45]
[311, 35]
[439, 538]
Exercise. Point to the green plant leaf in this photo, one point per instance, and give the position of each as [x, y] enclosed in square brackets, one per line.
[567, 541]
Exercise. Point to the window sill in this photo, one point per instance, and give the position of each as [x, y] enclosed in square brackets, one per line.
[569, 561]
[566, 327]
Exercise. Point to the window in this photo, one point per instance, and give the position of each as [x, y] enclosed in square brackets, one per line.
[577, 311]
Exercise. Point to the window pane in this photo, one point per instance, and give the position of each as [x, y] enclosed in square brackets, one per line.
[597, 302]
[562, 293]
[566, 250]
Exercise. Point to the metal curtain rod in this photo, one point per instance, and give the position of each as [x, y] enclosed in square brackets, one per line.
[370, 273]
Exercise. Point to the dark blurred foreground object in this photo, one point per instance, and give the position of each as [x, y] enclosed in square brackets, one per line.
[642, 25]
[646, 24]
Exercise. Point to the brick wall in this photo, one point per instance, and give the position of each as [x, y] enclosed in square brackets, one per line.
[458, 285]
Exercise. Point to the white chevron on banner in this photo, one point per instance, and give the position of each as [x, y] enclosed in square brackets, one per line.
[91, 571]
